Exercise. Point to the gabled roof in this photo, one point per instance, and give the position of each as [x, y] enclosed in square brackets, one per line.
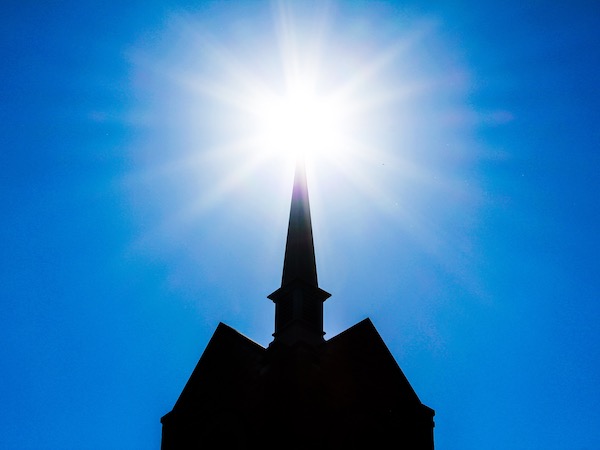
[356, 366]
[357, 361]
[223, 372]
[347, 392]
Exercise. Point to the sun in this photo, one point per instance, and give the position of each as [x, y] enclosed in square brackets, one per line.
[300, 121]
[248, 106]
[371, 117]
[297, 95]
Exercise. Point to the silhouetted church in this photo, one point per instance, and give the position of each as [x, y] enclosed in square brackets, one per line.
[302, 391]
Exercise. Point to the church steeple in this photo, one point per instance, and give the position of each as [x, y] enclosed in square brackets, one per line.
[299, 300]
[299, 261]
[302, 390]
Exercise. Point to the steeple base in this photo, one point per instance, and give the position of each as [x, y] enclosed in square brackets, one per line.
[299, 313]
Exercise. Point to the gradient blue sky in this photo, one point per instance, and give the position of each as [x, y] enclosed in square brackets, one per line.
[134, 219]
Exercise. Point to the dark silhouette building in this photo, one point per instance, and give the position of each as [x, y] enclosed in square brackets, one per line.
[302, 391]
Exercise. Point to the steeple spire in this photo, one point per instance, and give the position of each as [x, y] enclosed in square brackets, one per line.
[299, 261]
[299, 300]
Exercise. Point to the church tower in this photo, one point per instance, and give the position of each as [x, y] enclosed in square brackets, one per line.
[299, 300]
[302, 391]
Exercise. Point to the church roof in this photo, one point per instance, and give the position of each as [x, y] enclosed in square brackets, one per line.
[358, 356]
[223, 372]
[355, 367]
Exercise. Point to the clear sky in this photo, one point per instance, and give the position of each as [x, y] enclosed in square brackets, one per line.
[141, 207]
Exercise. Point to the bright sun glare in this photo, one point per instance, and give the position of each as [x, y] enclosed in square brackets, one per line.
[299, 96]
[369, 113]
[300, 121]
[301, 88]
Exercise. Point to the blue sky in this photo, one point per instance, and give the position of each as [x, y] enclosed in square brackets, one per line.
[137, 214]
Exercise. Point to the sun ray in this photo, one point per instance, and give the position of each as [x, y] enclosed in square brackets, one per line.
[302, 89]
